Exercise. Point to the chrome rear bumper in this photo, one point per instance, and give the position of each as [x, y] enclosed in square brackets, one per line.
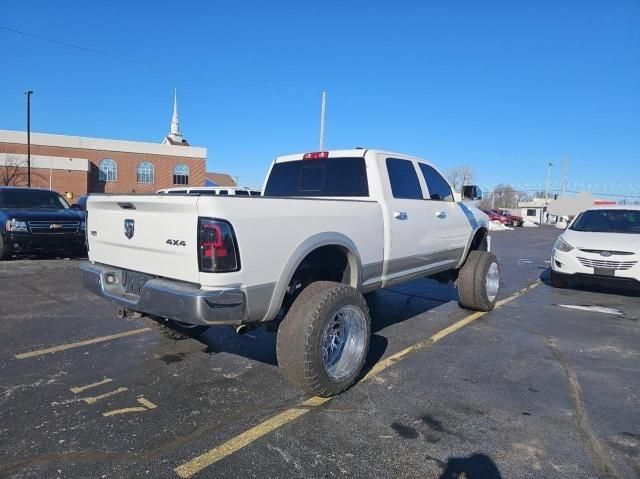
[166, 298]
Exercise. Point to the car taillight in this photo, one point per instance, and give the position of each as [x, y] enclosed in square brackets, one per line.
[316, 155]
[217, 251]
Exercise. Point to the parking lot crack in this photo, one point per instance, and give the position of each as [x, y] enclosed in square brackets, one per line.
[600, 458]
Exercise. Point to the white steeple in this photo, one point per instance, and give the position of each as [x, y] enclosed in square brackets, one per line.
[175, 137]
[175, 122]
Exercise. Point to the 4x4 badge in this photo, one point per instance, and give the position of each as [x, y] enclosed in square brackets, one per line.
[129, 228]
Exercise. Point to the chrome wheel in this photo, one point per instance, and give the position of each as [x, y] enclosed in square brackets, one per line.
[492, 282]
[343, 342]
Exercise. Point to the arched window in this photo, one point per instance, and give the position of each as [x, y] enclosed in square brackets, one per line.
[107, 170]
[181, 175]
[144, 172]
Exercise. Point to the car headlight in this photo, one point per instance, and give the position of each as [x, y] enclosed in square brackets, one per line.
[16, 225]
[562, 245]
[83, 225]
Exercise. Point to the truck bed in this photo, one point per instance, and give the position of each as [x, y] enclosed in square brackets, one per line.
[269, 231]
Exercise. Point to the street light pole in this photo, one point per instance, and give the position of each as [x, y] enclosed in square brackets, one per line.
[546, 195]
[564, 175]
[29, 93]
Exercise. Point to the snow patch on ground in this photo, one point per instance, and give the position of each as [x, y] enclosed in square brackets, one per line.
[562, 224]
[497, 226]
[529, 224]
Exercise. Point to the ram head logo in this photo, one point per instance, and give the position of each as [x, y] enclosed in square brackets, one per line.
[129, 228]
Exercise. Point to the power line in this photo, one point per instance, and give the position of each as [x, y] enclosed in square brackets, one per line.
[158, 66]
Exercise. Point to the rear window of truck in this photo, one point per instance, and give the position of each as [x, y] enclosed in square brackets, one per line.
[321, 177]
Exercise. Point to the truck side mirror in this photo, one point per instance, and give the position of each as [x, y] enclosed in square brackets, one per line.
[471, 192]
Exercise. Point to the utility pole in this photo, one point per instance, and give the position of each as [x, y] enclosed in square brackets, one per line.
[546, 193]
[323, 112]
[29, 93]
[564, 175]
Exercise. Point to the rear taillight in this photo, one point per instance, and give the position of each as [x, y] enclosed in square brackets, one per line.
[217, 250]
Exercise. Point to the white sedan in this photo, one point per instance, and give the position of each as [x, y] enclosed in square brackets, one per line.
[602, 243]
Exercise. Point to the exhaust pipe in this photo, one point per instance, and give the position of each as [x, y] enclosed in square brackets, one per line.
[126, 313]
[241, 329]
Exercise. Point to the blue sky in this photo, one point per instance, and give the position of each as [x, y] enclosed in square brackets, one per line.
[501, 86]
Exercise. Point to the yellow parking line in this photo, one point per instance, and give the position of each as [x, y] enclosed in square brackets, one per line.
[79, 389]
[64, 347]
[95, 399]
[195, 465]
[124, 411]
[208, 458]
[145, 402]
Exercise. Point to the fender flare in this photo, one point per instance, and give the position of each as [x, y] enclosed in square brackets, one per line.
[481, 225]
[301, 252]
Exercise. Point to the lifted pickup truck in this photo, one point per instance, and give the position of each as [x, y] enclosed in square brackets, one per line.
[329, 227]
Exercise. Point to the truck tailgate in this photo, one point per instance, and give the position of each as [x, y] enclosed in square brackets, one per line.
[151, 234]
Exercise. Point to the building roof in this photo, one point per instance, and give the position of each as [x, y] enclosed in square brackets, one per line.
[531, 204]
[220, 179]
[103, 144]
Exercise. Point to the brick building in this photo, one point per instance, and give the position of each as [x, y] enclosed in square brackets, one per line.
[73, 165]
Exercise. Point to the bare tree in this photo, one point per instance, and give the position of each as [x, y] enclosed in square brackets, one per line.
[485, 202]
[505, 196]
[459, 176]
[524, 196]
[12, 172]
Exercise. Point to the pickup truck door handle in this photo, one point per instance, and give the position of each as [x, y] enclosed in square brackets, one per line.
[441, 214]
[401, 215]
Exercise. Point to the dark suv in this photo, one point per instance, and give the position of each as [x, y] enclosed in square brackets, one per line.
[39, 221]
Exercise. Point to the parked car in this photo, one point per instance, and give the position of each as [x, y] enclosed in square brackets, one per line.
[329, 227]
[602, 244]
[513, 220]
[211, 191]
[493, 216]
[38, 221]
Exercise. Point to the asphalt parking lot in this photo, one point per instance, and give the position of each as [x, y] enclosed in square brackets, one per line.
[544, 386]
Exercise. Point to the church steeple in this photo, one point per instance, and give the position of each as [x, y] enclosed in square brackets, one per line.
[175, 122]
[175, 137]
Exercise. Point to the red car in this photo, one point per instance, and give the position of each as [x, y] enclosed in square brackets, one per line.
[493, 216]
[513, 220]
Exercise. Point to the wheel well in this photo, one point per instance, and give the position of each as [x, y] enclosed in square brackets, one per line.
[479, 241]
[325, 263]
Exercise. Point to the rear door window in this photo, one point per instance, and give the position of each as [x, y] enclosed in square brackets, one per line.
[403, 179]
[324, 177]
[439, 189]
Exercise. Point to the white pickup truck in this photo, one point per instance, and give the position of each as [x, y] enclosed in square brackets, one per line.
[329, 227]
